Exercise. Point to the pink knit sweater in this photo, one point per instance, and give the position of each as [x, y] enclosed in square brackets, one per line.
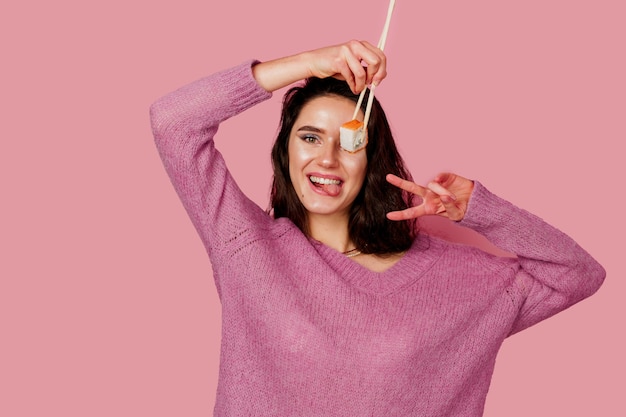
[309, 332]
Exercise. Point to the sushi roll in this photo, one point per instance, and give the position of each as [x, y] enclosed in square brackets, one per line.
[352, 136]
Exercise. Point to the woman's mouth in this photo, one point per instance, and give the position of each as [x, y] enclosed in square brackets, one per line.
[325, 186]
[324, 181]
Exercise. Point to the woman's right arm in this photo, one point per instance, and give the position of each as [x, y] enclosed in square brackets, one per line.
[184, 123]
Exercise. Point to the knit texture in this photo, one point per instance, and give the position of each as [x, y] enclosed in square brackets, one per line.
[309, 332]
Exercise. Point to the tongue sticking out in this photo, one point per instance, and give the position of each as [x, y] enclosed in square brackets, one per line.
[332, 189]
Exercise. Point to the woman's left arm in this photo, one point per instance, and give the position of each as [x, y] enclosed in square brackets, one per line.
[555, 272]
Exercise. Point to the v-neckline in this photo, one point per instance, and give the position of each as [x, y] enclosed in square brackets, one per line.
[418, 259]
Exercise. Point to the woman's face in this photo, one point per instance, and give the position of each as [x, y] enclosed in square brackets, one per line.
[326, 178]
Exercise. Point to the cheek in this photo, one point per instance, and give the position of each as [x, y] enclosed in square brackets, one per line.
[299, 154]
[299, 157]
[296, 159]
[357, 166]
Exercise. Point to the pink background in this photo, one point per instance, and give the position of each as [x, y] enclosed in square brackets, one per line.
[107, 305]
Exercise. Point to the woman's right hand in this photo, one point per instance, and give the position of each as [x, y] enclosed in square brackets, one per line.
[359, 63]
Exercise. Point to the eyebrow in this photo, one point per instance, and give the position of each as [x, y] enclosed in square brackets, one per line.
[311, 129]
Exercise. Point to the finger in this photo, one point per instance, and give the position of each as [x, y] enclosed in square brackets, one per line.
[346, 74]
[406, 185]
[352, 55]
[376, 63]
[452, 211]
[406, 214]
[440, 190]
[445, 179]
[375, 75]
[359, 74]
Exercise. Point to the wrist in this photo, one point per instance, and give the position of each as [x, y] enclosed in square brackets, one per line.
[278, 73]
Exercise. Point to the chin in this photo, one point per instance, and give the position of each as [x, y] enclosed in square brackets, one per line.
[322, 208]
[325, 211]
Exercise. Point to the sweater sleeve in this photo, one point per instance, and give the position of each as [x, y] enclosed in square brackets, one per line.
[184, 123]
[554, 271]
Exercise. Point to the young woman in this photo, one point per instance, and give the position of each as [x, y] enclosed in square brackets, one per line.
[333, 304]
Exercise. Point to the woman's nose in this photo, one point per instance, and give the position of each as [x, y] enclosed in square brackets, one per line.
[329, 155]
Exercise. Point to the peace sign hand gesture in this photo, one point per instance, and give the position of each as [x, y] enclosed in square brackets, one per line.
[447, 195]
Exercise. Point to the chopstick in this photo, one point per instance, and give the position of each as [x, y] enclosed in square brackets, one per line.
[381, 46]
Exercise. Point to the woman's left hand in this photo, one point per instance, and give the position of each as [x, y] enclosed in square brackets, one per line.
[447, 195]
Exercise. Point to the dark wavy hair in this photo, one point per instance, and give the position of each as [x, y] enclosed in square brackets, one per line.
[368, 227]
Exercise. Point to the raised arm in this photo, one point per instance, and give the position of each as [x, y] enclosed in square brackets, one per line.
[185, 122]
[359, 63]
[554, 271]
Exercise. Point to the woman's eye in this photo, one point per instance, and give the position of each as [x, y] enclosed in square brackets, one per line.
[309, 138]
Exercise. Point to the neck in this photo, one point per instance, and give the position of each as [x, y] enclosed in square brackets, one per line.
[331, 231]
